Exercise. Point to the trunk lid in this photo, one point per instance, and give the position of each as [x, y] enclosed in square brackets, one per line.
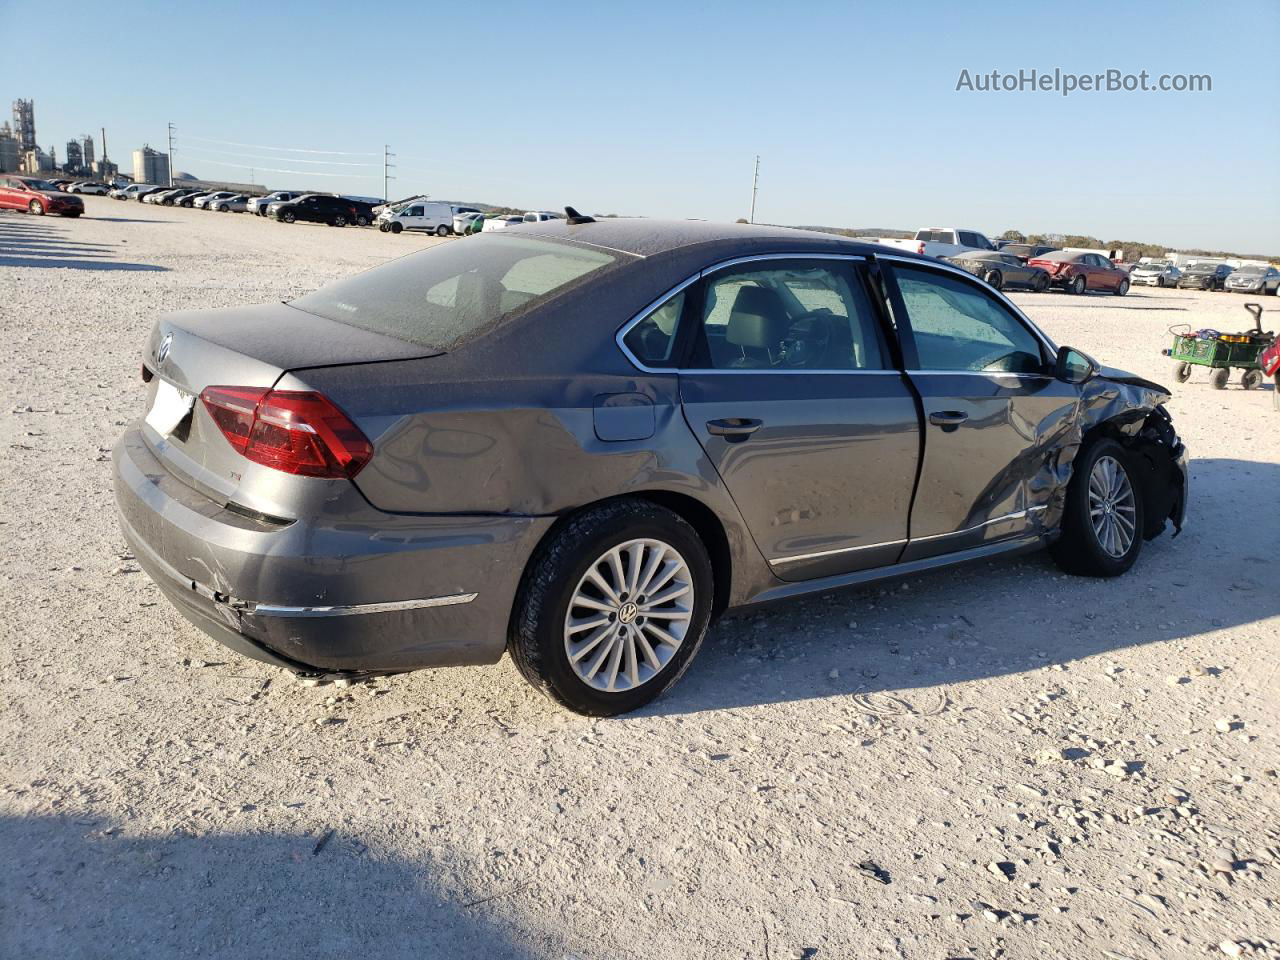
[244, 347]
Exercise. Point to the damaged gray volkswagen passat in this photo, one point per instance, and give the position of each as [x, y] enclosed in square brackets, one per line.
[579, 442]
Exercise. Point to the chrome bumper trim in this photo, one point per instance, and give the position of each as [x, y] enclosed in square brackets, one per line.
[359, 609]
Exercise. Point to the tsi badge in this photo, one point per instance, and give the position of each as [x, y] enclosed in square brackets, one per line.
[163, 353]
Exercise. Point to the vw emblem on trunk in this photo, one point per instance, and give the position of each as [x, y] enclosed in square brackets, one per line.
[163, 353]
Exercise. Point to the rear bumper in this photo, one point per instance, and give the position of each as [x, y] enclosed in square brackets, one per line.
[360, 590]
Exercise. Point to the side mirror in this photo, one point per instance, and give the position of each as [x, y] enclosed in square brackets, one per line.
[1072, 366]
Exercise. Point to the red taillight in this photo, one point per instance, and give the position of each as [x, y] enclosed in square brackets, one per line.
[920, 249]
[296, 431]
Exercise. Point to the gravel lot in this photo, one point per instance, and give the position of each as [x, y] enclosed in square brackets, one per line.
[997, 761]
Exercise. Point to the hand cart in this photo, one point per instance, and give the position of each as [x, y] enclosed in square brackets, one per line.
[1221, 352]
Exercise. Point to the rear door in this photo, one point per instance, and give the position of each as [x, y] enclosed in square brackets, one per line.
[9, 194]
[994, 414]
[792, 389]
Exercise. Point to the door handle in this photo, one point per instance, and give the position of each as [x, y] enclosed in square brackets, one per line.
[948, 418]
[734, 428]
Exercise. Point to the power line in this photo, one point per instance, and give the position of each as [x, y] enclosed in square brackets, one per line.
[263, 146]
[258, 156]
[301, 173]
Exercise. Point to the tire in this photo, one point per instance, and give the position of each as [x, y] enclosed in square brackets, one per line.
[443, 231]
[539, 638]
[1251, 379]
[1123, 288]
[1041, 284]
[35, 208]
[995, 278]
[1219, 378]
[361, 220]
[1182, 372]
[397, 227]
[223, 208]
[339, 221]
[72, 214]
[288, 216]
[1076, 285]
[1081, 549]
[383, 228]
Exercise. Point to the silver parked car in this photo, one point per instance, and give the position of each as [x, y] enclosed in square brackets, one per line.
[580, 441]
[1254, 278]
[237, 204]
[1155, 273]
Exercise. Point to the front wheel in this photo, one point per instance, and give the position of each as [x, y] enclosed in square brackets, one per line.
[1251, 379]
[397, 227]
[35, 208]
[1182, 372]
[1123, 288]
[1103, 521]
[339, 221]
[1219, 378]
[288, 217]
[995, 278]
[613, 608]
[1076, 285]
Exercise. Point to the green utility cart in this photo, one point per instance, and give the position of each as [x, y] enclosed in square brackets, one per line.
[1221, 352]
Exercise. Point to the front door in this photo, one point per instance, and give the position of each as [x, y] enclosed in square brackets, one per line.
[793, 394]
[994, 414]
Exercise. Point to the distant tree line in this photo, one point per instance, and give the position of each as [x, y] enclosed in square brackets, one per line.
[1133, 249]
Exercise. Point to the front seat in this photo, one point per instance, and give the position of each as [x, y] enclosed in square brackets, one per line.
[757, 324]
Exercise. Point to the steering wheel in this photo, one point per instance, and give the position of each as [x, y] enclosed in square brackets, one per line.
[807, 339]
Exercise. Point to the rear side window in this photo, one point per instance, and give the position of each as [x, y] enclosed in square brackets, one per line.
[801, 316]
[448, 294]
[957, 327]
[652, 341]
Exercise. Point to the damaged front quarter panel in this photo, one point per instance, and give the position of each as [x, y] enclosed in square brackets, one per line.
[1131, 410]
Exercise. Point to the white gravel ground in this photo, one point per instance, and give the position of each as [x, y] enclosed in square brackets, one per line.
[836, 778]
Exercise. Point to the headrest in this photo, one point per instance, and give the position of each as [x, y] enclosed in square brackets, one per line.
[757, 319]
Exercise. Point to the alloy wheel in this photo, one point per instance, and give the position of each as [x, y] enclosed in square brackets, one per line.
[629, 615]
[1112, 510]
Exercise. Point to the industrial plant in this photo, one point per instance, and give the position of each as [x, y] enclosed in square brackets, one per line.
[20, 152]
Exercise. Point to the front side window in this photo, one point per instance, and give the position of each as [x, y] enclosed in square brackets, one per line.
[806, 315]
[414, 212]
[958, 327]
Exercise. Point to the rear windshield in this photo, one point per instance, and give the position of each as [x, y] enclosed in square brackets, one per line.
[449, 293]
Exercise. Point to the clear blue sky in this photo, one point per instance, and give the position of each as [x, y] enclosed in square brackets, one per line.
[659, 108]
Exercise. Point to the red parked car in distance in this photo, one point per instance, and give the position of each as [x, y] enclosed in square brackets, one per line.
[1076, 272]
[38, 197]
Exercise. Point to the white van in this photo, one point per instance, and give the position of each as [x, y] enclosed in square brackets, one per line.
[433, 216]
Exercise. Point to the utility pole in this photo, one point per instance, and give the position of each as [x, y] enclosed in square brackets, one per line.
[386, 168]
[171, 154]
[755, 188]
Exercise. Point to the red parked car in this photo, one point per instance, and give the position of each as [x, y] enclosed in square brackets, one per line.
[1076, 272]
[38, 197]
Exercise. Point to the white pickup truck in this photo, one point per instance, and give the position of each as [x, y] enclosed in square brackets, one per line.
[937, 241]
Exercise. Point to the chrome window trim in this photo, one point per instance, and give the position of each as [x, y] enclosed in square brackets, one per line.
[620, 336]
[831, 553]
[358, 609]
[1019, 515]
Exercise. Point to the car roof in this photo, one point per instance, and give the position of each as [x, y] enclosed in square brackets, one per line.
[646, 238]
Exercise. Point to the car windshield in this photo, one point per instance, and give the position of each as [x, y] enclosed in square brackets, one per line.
[448, 294]
[1153, 265]
[1251, 270]
[39, 185]
[1202, 268]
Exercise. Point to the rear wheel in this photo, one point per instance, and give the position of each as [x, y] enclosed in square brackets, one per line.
[1076, 285]
[339, 221]
[1182, 372]
[613, 608]
[443, 231]
[1103, 521]
[1123, 288]
[1219, 378]
[361, 220]
[1251, 379]
[35, 208]
[1042, 283]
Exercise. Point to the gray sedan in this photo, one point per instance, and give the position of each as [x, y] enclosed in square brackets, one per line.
[580, 442]
[1002, 269]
